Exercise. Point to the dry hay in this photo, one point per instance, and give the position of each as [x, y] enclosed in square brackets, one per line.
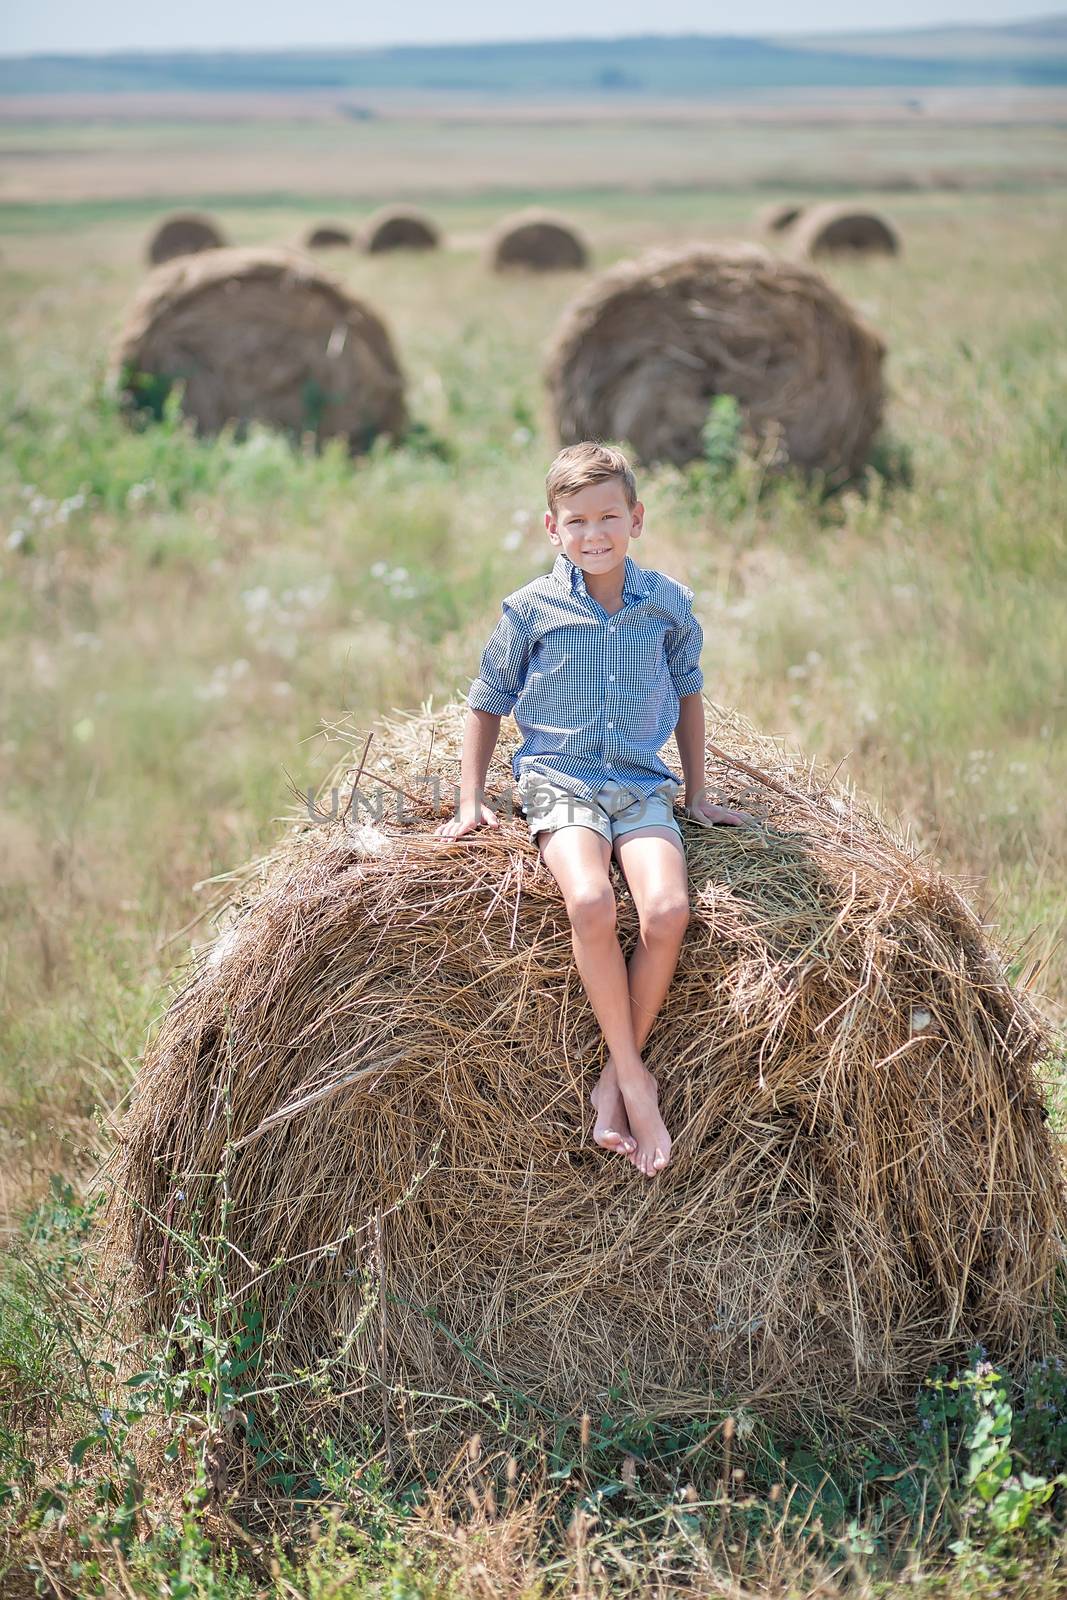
[183, 235]
[388, 1053]
[327, 236]
[261, 335]
[642, 352]
[779, 218]
[398, 228]
[537, 241]
[841, 230]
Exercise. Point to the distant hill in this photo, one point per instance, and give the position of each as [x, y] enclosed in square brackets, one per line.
[1043, 37]
[1032, 54]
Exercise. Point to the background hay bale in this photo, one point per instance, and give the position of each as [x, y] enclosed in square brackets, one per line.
[842, 230]
[640, 355]
[261, 335]
[539, 241]
[780, 217]
[327, 236]
[389, 1053]
[184, 235]
[399, 228]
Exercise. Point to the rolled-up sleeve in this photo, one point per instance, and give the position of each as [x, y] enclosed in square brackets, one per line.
[683, 645]
[503, 668]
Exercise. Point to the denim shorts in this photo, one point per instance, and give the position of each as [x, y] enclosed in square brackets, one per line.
[614, 811]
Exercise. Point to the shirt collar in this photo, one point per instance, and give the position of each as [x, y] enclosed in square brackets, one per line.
[571, 577]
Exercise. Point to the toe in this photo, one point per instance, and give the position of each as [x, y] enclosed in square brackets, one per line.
[611, 1139]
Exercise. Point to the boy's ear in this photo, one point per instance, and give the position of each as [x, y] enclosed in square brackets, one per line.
[637, 519]
[550, 525]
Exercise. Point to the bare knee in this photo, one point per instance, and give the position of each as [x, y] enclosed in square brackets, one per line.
[665, 918]
[591, 908]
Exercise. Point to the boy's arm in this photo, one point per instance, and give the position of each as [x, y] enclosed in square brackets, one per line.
[492, 695]
[689, 736]
[480, 734]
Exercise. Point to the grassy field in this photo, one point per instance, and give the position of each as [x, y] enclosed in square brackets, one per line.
[77, 151]
[182, 624]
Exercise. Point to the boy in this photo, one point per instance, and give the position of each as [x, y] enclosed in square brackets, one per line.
[600, 662]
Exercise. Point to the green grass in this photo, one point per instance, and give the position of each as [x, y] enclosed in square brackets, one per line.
[179, 621]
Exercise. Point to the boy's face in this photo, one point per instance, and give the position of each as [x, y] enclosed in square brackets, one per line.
[594, 527]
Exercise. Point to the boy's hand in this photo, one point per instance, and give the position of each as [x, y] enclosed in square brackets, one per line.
[704, 810]
[469, 816]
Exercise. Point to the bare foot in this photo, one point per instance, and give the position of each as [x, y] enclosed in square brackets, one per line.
[612, 1131]
[641, 1099]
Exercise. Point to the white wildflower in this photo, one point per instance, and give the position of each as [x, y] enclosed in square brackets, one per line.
[256, 600]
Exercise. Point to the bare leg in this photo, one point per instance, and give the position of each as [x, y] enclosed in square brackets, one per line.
[579, 858]
[653, 863]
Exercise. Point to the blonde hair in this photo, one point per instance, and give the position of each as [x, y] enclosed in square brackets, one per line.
[580, 465]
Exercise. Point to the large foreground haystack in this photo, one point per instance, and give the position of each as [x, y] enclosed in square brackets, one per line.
[263, 335]
[842, 230]
[537, 242]
[389, 1054]
[400, 228]
[641, 354]
[184, 235]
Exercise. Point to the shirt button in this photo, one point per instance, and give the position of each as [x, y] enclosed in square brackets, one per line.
[613, 677]
[611, 724]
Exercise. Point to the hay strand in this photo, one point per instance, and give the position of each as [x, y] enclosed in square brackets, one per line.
[261, 335]
[640, 355]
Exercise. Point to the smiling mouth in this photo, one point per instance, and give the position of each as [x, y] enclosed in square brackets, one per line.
[606, 551]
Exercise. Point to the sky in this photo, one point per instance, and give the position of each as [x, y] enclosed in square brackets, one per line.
[73, 26]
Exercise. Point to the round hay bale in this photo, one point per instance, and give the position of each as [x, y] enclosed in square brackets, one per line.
[183, 235]
[779, 218]
[842, 230]
[388, 1054]
[327, 236]
[397, 228]
[260, 335]
[539, 242]
[641, 354]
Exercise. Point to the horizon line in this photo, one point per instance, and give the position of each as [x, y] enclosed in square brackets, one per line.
[769, 37]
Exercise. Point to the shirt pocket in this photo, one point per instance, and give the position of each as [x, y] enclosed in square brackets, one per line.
[563, 692]
[644, 678]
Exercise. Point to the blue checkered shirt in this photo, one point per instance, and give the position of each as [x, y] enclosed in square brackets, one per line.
[595, 694]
